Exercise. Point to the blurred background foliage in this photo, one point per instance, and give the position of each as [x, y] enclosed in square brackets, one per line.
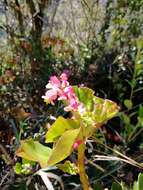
[100, 44]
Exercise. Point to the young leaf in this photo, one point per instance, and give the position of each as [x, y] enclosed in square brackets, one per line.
[34, 151]
[18, 168]
[68, 167]
[59, 127]
[128, 103]
[63, 147]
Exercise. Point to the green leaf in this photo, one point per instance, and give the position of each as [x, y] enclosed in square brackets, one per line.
[68, 167]
[126, 118]
[104, 110]
[140, 181]
[116, 186]
[25, 167]
[63, 147]
[24, 161]
[59, 127]
[135, 186]
[34, 151]
[98, 110]
[18, 168]
[85, 95]
[128, 103]
[123, 186]
[140, 42]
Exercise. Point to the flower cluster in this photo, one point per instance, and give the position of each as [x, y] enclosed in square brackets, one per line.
[59, 89]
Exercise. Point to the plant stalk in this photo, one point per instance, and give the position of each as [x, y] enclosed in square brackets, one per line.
[81, 167]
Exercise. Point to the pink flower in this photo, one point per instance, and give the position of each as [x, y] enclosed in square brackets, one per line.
[64, 77]
[50, 96]
[62, 96]
[64, 81]
[68, 108]
[81, 108]
[55, 81]
[67, 72]
[72, 105]
[76, 144]
[69, 90]
[64, 84]
[61, 90]
[49, 85]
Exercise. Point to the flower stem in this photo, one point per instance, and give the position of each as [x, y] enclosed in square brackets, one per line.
[81, 167]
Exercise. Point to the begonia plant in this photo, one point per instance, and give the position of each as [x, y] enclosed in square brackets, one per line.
[69, 134]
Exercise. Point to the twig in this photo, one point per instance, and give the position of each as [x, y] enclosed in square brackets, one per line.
[4, 151]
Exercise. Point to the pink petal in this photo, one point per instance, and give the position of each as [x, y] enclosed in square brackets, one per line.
[49, 85]
[64, 77]
[81, 108]
[63, 97]
[74, 103]
[50, 95]
[77, 143]
[68, 108]
[75, 146]
[55, 81]
[64, 84]
[69, 89]
[67, 72]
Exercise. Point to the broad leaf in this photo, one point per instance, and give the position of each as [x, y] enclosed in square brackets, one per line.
[34, 151]
[98, 110]
[59, 127]
[85, 95]
[104, 110]
[64, 146]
